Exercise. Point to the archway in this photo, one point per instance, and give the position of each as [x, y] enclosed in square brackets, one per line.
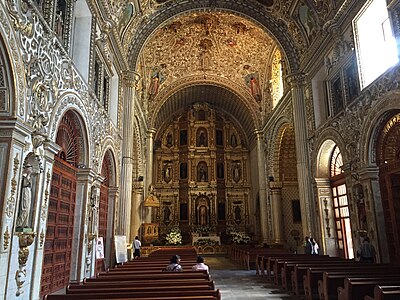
[60, 220]
[388, 161]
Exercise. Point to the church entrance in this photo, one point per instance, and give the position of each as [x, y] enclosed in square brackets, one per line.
[60, 225]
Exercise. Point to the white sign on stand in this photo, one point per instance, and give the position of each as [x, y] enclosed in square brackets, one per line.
[120, 248]
[99, 248]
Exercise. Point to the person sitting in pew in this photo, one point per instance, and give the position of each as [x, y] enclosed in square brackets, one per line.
[200, 265]
[174, 265]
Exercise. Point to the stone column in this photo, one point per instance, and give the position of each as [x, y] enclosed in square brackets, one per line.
[137, 209]
[296, 82]
[369, 178]
[130, 80]
[113, 194]
[262, 187]
[146, 217]
[276, 206]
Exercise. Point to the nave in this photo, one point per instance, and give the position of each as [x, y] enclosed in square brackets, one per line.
[237, 283]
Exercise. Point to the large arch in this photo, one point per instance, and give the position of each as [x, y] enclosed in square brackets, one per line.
[251, 10]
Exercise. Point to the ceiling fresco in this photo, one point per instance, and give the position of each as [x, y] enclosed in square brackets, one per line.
[241, 46]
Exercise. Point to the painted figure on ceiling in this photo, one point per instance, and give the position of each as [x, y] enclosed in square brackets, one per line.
[157, 77]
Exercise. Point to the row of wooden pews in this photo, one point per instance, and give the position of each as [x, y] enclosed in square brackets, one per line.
[144, 278]
[324, 277]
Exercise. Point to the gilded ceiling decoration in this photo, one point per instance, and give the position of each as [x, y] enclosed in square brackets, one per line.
[208, 45]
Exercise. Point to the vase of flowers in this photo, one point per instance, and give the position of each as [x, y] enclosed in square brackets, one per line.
[174, 237]
[239, 237]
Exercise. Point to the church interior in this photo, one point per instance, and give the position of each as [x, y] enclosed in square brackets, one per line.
[207, 123]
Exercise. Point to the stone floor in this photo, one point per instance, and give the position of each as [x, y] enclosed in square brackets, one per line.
[236, 283]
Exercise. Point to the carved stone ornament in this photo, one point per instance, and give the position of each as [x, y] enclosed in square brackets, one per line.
[10, 206]
[6, 239]
[25, 240]
[41, 238]
[43, 213]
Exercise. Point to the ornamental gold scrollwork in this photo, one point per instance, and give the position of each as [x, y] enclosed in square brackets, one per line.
[11, 200]
[6, 239]
[25, 239]
[41, 239]
[46, 197]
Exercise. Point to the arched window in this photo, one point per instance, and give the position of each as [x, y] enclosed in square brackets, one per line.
[341, 205]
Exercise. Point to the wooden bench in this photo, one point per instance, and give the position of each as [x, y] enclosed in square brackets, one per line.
[385, 292]
[143, 283]
[190, 295]
[358, 288]
[157, 276]
[333, 279]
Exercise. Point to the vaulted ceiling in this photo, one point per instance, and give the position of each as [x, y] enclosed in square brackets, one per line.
[227, 53]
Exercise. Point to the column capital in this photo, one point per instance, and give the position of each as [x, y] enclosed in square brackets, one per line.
[131, 78]
[296, 79]
[275, 185]
[151, 131]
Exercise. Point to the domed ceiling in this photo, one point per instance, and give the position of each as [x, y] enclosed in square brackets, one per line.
[205, 49]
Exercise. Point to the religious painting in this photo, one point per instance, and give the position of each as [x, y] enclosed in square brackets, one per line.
[157, 77]
[126, 16]
[307, 20]
[183, 137]
[352, 82]
[237, 214]
[201, 115]
[252, 81]
[337, 95]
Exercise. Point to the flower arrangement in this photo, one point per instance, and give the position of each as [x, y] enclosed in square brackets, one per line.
[239, 237]
[174, 237]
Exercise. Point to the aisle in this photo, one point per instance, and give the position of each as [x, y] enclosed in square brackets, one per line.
[236, 283]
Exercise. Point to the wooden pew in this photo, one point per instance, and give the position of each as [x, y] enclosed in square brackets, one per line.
[385, 292]
[358, 288]
[143, 283]
[333, 279]
[161, 275]
[257, 255]
[193, 295]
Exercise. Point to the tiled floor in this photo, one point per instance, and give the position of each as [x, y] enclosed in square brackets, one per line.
[236, 283]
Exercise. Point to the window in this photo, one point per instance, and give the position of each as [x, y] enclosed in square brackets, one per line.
[341, 205]
[375, 43]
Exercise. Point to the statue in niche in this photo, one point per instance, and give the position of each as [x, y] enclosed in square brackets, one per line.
[167, 214]
[202, 139]
[23, 219]
[203, 215]
[236, 171]
[233, 140]
[169, 139]
[202, 174]
[362, 214]
[238, 214]
[167, 173]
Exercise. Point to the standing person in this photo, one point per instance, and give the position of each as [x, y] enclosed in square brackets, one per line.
[200, 265]
[307, 245]
[367, 252]
[314, 247]
[174, 265]
[136, 246]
